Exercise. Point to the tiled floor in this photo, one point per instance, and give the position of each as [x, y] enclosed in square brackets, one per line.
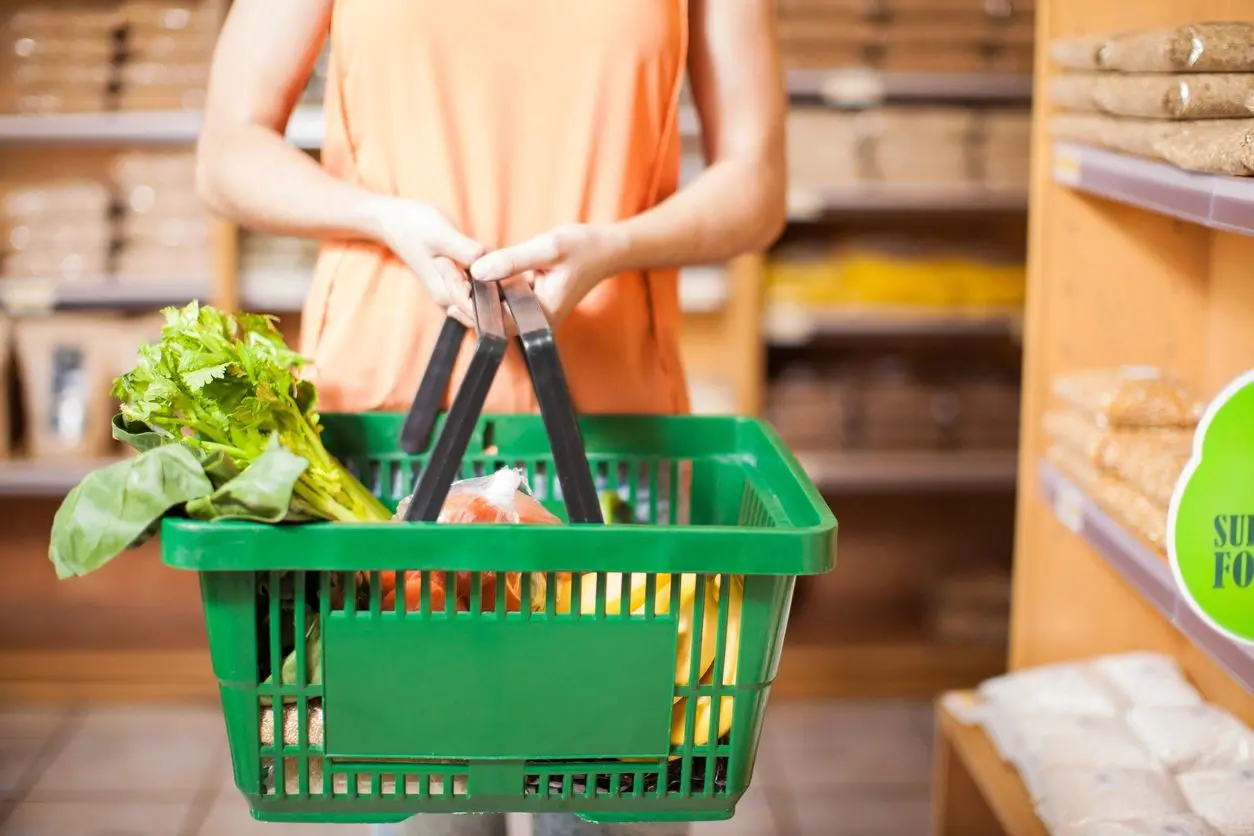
[825, 769]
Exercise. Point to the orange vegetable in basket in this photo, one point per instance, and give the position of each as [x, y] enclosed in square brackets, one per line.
[492, 499]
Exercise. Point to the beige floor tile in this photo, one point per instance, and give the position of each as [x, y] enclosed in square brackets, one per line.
[95, 818]
[852, 812]
[812, 745]
[230, 817]
[26, 722]
[16, 758]
[137, 752]
[753, 818]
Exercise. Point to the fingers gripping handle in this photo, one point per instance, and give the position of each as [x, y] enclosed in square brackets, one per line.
[552, 393]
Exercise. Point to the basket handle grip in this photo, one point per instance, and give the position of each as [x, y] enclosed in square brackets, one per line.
[552, 393]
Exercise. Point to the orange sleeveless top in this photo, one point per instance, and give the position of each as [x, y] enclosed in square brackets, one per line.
[512, 117]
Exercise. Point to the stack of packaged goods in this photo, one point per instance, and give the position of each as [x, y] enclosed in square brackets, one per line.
[57, 230]
[875, 273]
[893, 403]
[275, 271]
[907, 35]
[165, 231]
[1184, 94]
[1124, 436]
[917, 146]
[58, 58]
[1118, 744]
[168, 46]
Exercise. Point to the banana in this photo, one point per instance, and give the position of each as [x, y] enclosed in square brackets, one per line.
[731, 654]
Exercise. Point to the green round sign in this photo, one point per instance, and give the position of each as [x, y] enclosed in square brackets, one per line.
[1210, 525]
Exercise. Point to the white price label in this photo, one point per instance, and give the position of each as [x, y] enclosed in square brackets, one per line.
[1066, 168]
[804, 204]
[29, 296]
[852, 88]
[1069, 507]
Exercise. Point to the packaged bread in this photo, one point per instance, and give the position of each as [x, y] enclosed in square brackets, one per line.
[1105, 447]
[68, 199]
[1213, 47]
[1209, 146]
[67, 365]
[58, 264]
[1112, 494]
[171, 16]
[1148, 468]
[1074, 91]
[1175, 96]
[153, 168]
[61, 47]
[1130, 397]
[1135, 136]
[1082, 52]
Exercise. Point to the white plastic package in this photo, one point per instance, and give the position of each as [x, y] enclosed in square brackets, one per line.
[1070, 795]
[1188, 738]
[1225, 798]
[1081, 741]
[1152, 679]
[1176, 824]
[1066, 688]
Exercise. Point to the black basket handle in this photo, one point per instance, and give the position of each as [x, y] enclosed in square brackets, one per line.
[543, 364]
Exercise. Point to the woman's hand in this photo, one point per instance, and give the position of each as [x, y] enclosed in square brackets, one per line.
[564, 264]
[422, 237]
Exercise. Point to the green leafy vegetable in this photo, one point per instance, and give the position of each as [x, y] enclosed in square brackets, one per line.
[262, 493]
[225, 429]
[115, 506]
[226, 384]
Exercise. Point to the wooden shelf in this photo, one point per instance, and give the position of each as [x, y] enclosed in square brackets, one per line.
[1145, 570]
[969, 749]
[26, 478]
[1210, 200]
[19, 295]
[866, 87]
[176, 127]
[806, 204]
[875, 471]
[788, 325]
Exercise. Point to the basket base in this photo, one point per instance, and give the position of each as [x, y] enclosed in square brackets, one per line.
[380, 811]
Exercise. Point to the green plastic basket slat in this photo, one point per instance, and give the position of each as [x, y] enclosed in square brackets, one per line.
[567, 676]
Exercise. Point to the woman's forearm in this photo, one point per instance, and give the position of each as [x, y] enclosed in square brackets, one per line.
[733, 207]
[250, 174]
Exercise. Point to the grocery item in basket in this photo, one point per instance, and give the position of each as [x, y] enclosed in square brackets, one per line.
[1211, 146]
[1151, 679]
[225, 429]
[1068, 795]
[1130, 397]
[1185, 738]
[1078, 53]
[1210, 47]
[1065, 688]
[502, 497]
[1222, 797]
[1175, 824]
[291, 731]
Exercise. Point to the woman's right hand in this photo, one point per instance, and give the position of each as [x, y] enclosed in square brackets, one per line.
[427, 241]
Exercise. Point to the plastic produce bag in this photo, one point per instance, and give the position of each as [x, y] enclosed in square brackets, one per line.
[1192, 737]
[1222, 797]
[1149, 679]
[502, 498]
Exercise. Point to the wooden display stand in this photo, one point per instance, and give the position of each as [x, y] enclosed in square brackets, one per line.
[1109, 284]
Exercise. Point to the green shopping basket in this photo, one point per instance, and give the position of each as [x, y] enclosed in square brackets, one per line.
[340, 708]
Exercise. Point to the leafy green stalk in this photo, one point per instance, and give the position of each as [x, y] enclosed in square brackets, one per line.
[226, 386]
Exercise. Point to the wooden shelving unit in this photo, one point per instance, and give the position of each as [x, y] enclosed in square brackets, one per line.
[1130, 261]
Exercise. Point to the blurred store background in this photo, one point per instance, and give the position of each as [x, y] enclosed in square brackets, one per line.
[879, 335]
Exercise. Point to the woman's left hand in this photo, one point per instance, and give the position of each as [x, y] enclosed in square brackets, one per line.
[564, 264]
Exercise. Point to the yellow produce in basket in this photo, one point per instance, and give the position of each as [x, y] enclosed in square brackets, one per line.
[731, 654]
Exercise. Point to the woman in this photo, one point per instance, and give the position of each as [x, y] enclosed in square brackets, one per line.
[491, 138]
